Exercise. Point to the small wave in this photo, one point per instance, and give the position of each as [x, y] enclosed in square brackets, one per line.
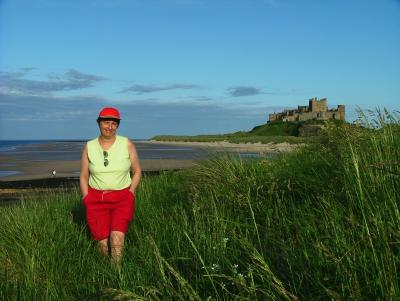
[4, 149]
[4, 173]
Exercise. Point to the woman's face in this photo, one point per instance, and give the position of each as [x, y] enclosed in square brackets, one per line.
[108, 128]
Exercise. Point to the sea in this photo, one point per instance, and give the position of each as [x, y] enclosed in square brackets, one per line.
[46, 150]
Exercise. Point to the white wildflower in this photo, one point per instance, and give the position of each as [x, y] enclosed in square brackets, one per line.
[215, 267]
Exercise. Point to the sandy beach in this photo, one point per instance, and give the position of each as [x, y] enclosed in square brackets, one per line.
[33, 170]
[234, 147]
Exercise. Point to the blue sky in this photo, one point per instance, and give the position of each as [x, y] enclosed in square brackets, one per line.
[189, 66]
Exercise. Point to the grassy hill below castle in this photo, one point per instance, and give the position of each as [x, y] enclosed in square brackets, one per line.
[275, 132]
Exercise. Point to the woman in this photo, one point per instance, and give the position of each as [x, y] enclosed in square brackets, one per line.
[110, 173]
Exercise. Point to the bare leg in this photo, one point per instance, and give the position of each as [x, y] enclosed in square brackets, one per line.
[117, 244]
[103, 246]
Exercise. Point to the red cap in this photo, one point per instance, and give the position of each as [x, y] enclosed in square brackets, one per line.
[109, 113]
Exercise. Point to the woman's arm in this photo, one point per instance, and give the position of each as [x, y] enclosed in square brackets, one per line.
[84, 175]
[135, 166]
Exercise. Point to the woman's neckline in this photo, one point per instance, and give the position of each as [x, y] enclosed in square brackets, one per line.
[109, 145]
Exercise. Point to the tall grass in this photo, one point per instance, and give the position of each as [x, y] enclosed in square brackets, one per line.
[321, 223]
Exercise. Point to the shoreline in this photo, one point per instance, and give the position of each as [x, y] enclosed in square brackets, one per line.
[33, 170]
[65, 169]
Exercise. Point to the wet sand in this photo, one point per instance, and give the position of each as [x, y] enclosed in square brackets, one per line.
[31, 170]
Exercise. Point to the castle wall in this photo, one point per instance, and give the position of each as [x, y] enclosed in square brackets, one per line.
[331, 115]
[317, 109]
[290, 118]
[306, 116]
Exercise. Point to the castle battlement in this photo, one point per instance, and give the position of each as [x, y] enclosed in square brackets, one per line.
[316, 110]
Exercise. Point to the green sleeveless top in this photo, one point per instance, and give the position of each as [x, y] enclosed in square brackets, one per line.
[114, 176]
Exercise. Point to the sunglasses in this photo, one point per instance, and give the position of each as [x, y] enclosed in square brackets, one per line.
[105, 154]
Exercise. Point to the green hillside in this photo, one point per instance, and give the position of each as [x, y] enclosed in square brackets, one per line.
[277, 131]
[277, 128]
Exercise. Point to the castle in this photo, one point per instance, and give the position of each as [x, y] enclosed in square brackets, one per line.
[316, 109]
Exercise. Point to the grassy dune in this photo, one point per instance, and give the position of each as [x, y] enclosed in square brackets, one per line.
[321, 223]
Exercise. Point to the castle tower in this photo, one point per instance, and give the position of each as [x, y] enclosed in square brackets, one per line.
[341, 112]
[272, 117]
[316, 106]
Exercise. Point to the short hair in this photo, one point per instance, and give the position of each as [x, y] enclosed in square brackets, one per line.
[108, 119]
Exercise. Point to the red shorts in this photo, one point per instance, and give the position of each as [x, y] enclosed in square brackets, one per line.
[108, 210]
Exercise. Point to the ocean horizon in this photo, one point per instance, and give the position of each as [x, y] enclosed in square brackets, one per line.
[10, 144]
